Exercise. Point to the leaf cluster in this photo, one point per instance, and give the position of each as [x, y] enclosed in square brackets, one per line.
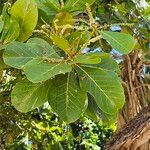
[59, 68]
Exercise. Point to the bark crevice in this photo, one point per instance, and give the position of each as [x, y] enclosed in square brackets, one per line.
[135, 133]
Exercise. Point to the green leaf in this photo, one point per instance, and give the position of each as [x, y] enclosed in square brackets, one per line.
[124, 43]
[39, 70]
[109, 119]
[27, 96]
[109, 64]
[92, 110]
[78, 40]
[77, 5]
[104, 86]
[61, 43]
[95, 113]
[5, 15]
[66, 98]
[26, 13]
[38, 59]
[90, 58]
[1, 66]
[51, 4]
[47, 49]
[11, 31]
[50, 7]
[17, 54]
[10, 28]
[1, 25]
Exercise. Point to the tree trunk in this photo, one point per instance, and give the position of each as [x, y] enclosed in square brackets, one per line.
[134, 134]
[137, 94]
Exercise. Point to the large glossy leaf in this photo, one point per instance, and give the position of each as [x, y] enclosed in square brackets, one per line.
[124, 43]
[104, 86]
[66, 98]
[77, 5]
[26, 13]
[39, 70]
[27, 96]
[18, 54]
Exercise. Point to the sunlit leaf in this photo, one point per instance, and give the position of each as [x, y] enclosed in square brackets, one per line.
[61, 42]
[89, 58]
[26, 13]
[124, 43]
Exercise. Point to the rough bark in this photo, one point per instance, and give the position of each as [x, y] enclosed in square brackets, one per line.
[134, 134]
[137, 92]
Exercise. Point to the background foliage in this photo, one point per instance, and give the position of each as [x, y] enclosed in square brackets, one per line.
[42, 129]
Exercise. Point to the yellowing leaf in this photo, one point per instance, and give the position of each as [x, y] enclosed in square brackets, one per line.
[61, 22]
[90, 58]
[26, 13]
[61, 43]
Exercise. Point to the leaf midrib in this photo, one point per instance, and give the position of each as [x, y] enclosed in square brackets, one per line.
[93, 80]
[67, 94]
